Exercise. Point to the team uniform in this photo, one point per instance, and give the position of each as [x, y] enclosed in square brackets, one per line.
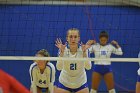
[9, 84]
[73, 75]
[139, 69]
[45, 81]
[103, 67]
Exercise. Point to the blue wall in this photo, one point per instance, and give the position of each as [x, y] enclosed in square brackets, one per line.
[26, 29]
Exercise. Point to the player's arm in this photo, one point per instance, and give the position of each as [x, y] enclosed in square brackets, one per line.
[86, 54]
[88, 63]
[52, 77]
[59, 64]
[116, 50]
[61, 52]
[92, 47]
[60, 46]
[33, 81]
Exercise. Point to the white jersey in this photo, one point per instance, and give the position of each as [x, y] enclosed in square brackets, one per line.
[104, 52]
[139, 57]
[73, 74]
[139, 64]
[44, 80]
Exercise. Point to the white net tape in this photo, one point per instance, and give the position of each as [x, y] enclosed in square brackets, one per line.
[70, 59]
[74, 2]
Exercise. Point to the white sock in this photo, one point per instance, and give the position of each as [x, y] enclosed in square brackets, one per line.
[93, 91]
[112, 91]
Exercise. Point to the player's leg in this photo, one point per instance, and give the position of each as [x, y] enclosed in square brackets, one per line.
[39, 90]
[138, 85]
[62, 89]
[55, 89]
[83, 89]
[96, 78]
[109, 80]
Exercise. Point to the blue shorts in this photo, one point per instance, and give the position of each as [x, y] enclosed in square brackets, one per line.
[59, 85]
[138, 79]
[43, 90]
[102, 69]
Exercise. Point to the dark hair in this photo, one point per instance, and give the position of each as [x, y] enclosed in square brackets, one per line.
[43, 52]
[75, 29]
[103, 34]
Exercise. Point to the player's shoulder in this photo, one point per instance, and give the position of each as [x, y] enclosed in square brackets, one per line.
[110, 45]
[95, 45]
[50, 65]
[33, 66]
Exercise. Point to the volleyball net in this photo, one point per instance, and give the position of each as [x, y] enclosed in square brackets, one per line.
[69, 59]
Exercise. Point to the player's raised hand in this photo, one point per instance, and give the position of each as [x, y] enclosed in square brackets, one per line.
[60, 45]
[91, 42]
[85, 46]
[115, 43]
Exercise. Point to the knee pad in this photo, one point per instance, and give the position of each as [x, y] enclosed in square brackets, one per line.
[112, 91]
[139, 72]
[93, 91]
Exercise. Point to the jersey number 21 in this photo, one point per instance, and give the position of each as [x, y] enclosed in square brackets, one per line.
[73, 66]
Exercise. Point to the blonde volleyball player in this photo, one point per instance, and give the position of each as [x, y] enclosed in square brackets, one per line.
[102, 69]
[73, 75]
[138, 81]
[42, 74]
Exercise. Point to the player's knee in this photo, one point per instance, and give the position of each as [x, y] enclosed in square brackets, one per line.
[110, 86]
[112, 91]
[93, 91]
[95, 88]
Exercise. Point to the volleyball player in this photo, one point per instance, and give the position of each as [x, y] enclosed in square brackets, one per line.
[42, 74]
[73, 75]
[102, 69]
